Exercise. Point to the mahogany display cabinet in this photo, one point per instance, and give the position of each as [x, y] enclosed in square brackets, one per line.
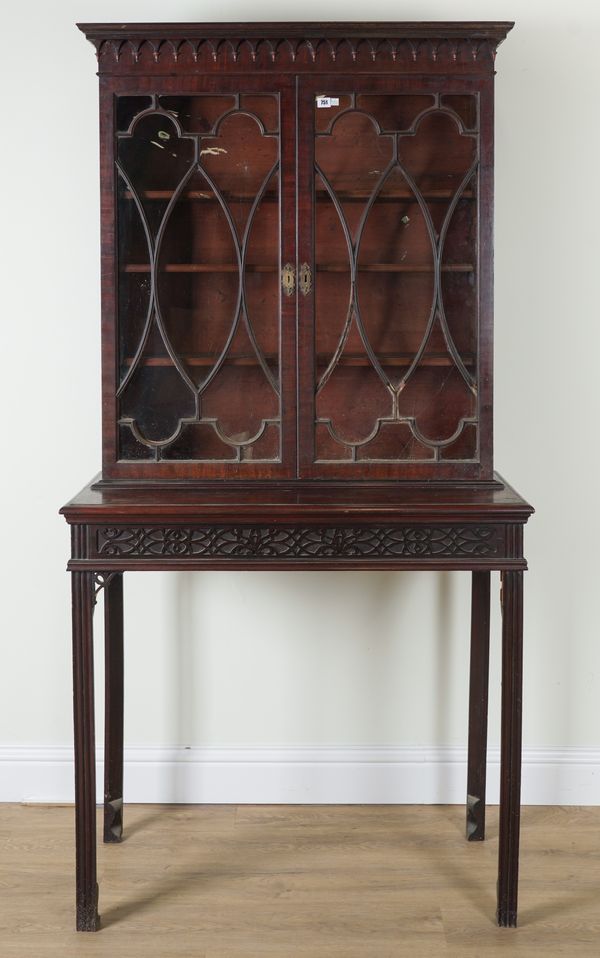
[296, 342]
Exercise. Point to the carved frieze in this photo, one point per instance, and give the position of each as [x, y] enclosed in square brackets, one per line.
[277, 542]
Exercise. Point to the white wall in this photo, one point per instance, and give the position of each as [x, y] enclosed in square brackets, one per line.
[311, 659]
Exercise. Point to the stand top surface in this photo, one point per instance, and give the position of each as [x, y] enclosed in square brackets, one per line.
[241, 502]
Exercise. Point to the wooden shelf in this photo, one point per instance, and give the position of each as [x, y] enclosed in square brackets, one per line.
[394, 268]
[272, 196]
[349, 359]
[200, 195]
[396, 359]
[395, 196]
[198, 360]
[321, 268]
[200, 268]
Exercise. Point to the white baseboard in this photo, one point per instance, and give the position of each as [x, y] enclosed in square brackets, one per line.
[297, 775]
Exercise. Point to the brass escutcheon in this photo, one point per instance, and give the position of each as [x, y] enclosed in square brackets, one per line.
[288, 279]
[305, 279]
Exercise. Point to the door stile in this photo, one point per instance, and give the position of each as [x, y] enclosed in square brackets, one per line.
[109, 272]
[306, 255]
[486, 275]
[287, 311]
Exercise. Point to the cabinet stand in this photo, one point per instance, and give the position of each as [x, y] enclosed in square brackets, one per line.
[114, 531]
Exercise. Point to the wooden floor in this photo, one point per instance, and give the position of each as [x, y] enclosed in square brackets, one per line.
[287, 881]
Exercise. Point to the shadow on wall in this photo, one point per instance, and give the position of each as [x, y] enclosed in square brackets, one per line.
[336, 658]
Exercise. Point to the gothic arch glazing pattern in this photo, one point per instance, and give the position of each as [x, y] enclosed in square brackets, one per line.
[198, 292]
[396, 316]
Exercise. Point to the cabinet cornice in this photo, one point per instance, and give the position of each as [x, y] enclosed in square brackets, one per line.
[299, 47]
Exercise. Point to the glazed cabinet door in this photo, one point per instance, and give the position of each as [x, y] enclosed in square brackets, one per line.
[203, 175]
[395, 277]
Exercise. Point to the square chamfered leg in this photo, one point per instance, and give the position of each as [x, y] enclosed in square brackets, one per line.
[83, 597]
[478, 705]
[113, 722]
[510, 748]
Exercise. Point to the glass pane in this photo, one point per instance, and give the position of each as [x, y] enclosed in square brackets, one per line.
[465, 106]
[197, 114]
[396, 278]
[395, 112]
[128, 107]
[199, 240]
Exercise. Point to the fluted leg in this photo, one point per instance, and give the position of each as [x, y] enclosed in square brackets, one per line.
[82, 584]
[113, 722]
[478, 705]
[510, 768]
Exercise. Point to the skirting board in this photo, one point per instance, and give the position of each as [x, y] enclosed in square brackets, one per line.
[298, 775]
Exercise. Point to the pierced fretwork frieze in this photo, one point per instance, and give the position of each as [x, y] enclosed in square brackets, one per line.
[316, 542]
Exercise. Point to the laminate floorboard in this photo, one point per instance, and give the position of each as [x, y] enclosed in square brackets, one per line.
[346, 881]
